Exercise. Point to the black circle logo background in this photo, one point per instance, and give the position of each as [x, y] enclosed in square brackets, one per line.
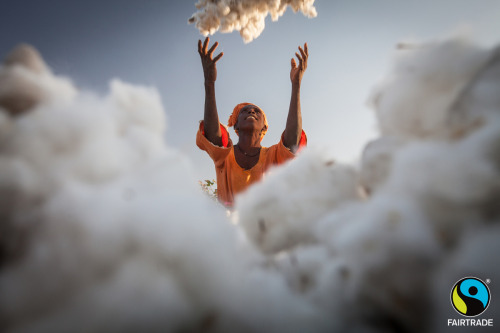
[473, 302]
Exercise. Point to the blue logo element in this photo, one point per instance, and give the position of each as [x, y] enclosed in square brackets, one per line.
[470, 296]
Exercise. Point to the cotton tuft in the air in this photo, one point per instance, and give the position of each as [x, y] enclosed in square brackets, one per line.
[246, 16]
[103, 227]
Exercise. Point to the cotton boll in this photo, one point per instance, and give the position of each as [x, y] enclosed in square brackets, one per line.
[415, 100]
[279, 213]
[247, 17]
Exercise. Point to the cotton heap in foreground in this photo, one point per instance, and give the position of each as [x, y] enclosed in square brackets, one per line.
[103, 227]
[380, 247]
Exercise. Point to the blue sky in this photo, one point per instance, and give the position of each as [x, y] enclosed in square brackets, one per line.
[150, 43]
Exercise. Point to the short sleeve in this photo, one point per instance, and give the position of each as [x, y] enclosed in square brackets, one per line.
[279, 153]
[217, 154]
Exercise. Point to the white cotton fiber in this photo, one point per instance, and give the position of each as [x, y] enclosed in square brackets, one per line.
[415, 101]
[433, 179]
[380, 253]
[279, 213]
[376, 161]
[455, 183]
[103, 227]
[246, 16]
[25, 81]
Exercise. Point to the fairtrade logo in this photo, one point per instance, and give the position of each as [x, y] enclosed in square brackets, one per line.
[470, 296]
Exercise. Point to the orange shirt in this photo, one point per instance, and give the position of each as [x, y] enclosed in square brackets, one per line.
[233, 179]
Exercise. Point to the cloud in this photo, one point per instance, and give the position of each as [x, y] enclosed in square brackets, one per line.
[246, 16]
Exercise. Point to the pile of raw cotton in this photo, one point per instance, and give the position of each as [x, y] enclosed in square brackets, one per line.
[380, 248]
[104, 229]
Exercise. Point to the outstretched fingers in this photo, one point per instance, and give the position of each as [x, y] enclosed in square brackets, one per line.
[297, 71]
[218, 57]
[302, 53]
[205, 45]
[300, 60]
[206, 54]
[199, 46]
[304, 57]
[212, 49]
